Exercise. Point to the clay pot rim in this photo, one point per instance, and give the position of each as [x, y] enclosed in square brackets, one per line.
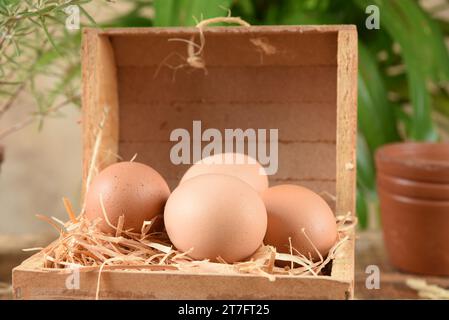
[383, 155]
[415, 201]
[412, 183]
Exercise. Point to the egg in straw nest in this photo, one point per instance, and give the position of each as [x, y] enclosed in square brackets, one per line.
[110, 240]
[83, 244]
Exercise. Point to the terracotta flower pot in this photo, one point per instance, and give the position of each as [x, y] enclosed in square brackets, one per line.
[416, 233]
[427, 162]
[413, 189]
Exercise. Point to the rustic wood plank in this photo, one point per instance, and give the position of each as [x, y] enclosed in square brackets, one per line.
[290, 50]
[346, 144]
[346, 120]
[343, 265]
[100, 101]
[370, 250]
[294, 29]
[135, 284]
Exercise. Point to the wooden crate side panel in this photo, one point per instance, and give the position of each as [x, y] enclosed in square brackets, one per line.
[100, 101]
[343, 264]
[32, 284]
[189, 31]
[346, 120]
[253, 46]
[343, 267]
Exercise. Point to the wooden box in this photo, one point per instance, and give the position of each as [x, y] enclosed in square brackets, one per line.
[301, 80]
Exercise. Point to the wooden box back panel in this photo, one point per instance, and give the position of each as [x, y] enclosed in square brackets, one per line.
[291, 86]
[299, 80]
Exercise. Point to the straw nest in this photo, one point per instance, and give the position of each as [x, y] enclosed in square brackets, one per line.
[81, 245]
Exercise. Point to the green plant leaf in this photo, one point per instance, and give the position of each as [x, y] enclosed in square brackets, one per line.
[366, 173]
[63, 84]
[88, 16]
[273, 15]
[376, 116]
[205, 9]
[246, 7]
[420, 52]
[308, 12]
[184, 12]
[48, 35]
[362, 210]
[422, 127]
[132, 19]
[441, 103]
[435, 54]
[164, 11]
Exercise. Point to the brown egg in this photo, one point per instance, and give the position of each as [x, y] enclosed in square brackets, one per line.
[238, 165]
[131, 189]
[292, 208]
[216, 215]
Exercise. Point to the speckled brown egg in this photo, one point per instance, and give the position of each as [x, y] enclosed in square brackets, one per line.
[234, 164]
[216, 216]
[132, 189]
[290, 210]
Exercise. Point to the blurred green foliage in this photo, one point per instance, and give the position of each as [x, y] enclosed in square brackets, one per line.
[35, 46]
[403, 69]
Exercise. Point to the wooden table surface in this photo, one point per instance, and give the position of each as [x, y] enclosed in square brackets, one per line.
[369, 251]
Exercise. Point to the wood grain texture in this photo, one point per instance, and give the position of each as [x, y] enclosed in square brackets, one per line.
[343, 265]
[289, 50]
[346, 120]
[316, 30]
[295, 93]
[297, 160]
[257, 84]
[133, 284]
[291, 118]
[99, 100]
[370, 250]
[346, 141]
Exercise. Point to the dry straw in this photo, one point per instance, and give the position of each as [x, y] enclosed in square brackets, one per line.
[82, 245]
[427, 291]
[194, 58]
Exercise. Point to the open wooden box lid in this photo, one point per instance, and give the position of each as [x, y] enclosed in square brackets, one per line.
[301, 80]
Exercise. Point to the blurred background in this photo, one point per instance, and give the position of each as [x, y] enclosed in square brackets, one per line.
[403, 87]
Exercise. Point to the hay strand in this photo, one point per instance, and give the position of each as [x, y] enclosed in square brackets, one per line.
[427, 291]
[83, 244]
[194, 58]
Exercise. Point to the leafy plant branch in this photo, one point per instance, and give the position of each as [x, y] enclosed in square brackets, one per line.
[35, 45]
